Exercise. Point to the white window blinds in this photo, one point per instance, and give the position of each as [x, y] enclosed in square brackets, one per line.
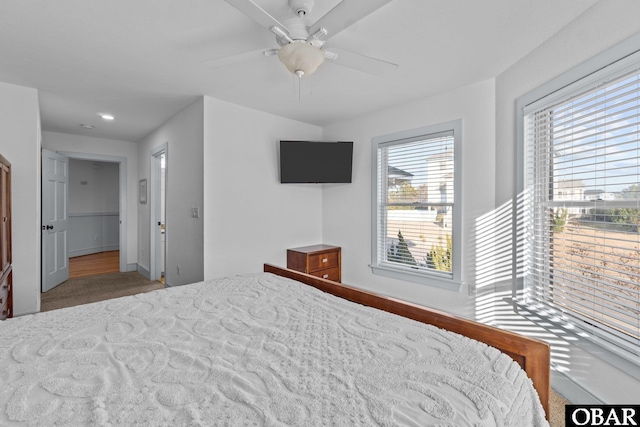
[583, 176]
[416, 204]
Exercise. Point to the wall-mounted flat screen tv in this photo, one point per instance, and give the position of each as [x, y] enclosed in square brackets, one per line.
[315, 162]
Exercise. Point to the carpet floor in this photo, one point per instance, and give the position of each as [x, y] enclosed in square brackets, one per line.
[84, 290]
[556, 409]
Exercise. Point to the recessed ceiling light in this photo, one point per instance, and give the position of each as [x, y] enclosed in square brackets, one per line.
[82, 125]
[106, 116]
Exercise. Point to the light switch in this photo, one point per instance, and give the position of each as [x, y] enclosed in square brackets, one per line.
[195, 213]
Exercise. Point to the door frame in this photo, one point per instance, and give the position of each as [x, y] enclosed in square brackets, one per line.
[122, 178]
[154, 210]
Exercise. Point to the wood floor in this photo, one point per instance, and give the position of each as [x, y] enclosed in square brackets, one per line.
[91, 265]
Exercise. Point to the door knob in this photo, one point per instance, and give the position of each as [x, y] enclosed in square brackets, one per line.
[49, 227]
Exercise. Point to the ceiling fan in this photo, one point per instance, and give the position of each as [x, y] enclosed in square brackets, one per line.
[301, 46]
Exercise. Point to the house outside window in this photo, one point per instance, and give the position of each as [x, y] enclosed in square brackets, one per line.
[416, 205]
[582, 177]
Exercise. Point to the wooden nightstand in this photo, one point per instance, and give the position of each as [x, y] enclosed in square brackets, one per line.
[318, 260]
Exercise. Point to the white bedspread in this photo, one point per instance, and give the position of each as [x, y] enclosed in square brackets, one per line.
[251, 350]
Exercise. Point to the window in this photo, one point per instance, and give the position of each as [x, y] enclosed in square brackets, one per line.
[416, 205]
[582, 165]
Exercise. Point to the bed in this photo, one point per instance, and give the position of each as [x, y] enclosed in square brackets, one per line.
[266, 349]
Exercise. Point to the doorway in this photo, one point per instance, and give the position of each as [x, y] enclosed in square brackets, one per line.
[158, 220]
[117, 218]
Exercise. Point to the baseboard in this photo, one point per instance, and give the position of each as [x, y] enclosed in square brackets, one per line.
[143, 271]
[132, 267]
[95, 250]
[573, 392]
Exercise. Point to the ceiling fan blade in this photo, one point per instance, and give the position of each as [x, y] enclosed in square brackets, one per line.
[258, 14]
[344, 14]
[241, 57]
[366, 64]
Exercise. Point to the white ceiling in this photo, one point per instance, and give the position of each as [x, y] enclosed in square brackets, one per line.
[141, 60]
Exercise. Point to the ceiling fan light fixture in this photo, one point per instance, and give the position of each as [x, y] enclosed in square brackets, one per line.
[300, 56]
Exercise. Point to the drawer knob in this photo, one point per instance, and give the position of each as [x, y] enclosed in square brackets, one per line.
[325, 276]
[325, 259]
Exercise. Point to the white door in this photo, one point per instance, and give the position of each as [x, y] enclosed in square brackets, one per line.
[55, 186]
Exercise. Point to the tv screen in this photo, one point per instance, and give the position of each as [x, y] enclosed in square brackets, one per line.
[315, 162]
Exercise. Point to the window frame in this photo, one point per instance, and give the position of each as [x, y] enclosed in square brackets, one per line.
[614, 61]
[431, 278]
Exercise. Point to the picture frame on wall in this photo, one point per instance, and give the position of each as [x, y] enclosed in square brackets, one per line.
[142, 190]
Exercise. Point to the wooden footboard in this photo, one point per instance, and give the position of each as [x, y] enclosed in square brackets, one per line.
[531, 354]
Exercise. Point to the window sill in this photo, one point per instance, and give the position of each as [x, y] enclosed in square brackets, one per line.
[417, 277]
[575, 334]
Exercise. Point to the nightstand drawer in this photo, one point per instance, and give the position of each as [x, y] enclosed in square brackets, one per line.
[329, 274]
[322, 261]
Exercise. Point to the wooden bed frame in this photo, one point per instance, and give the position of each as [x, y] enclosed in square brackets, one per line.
[531, 354]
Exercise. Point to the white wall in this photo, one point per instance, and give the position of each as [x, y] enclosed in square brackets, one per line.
[20, 144]
[93, 186]
[106, 147]
[607, 23]
[252, 218]
[347, 208]
[184, 190]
